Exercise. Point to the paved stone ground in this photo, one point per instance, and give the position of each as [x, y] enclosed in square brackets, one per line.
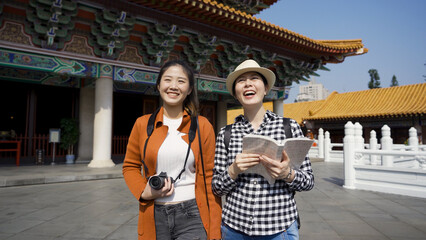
[80, 207]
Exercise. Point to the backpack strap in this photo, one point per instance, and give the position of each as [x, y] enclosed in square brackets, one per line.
[227, 136]
[287, 128]
[149, 130]
[151, 121]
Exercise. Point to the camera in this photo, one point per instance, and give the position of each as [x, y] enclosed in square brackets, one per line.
[157, 182]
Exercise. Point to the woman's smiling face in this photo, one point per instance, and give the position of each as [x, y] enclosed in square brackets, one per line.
[174, 86]
[250, 88]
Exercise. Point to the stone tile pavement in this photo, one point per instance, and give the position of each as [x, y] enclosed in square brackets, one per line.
[84, 203]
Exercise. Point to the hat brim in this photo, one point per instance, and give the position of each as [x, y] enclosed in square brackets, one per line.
[268, 74]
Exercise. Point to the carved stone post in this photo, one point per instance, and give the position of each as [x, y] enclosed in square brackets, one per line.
[413, 142]
[359, 140]
[386, 142]
[321, 143]
[373, 146]
[327, 147]
[349, 155]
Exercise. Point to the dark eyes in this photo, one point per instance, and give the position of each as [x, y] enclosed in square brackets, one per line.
[254, 77]
[179, 80]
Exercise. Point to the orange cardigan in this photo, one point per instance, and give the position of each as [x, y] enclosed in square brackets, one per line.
[136, 182]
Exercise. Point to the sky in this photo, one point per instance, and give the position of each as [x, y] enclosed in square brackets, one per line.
[394, 31]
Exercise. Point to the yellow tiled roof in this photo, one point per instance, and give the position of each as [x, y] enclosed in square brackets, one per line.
[408, 100]
[298, 111]
[232, 114]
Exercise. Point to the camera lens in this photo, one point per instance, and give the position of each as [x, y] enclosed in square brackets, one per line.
[156, 182]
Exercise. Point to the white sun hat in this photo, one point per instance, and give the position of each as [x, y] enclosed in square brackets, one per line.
[250, 66]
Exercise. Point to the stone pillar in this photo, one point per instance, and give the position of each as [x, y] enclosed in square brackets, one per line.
[102, 134]
[279, 107]
[413, 142]
[359, 140]
[418, 128]
[373, 146]
[386, 142]
[327, 146]
[221, 119]
[321, 143]
[349, 156]
[87, 115]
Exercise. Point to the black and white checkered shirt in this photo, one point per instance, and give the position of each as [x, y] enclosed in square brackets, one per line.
[253, 206]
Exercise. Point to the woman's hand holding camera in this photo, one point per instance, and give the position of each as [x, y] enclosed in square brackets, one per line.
[150, 193]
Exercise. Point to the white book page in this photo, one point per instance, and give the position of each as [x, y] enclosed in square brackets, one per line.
[296, 148]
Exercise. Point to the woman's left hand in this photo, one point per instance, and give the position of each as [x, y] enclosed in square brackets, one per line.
[278, 169]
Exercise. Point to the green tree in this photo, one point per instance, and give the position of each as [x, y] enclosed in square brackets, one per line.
[69, 134]
[374, 79]
[394, 82]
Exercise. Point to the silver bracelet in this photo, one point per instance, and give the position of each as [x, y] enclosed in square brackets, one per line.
[288, 175]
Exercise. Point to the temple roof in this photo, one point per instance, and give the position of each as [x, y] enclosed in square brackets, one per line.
[226, 17]
[402, 101]
[212, 36]
[250, 7]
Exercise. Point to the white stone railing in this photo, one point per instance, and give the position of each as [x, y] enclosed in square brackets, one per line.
[392, 169]
[325, 149]
[333, 152]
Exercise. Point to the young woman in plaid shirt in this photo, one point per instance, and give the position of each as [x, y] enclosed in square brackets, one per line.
[254, 209]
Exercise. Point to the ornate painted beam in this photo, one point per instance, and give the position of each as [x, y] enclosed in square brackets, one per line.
[46, 63]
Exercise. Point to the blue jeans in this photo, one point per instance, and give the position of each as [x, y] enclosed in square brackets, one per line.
[292, 233]
[179, 221]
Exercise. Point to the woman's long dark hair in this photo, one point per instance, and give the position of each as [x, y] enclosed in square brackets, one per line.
[190, 104]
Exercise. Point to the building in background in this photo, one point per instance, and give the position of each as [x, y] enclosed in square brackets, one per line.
[399, 107]
[97, 61]
[312, 92]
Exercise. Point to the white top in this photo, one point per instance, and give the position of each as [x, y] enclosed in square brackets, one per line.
[170, 159]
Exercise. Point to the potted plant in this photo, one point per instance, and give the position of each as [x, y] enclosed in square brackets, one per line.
[69, 137]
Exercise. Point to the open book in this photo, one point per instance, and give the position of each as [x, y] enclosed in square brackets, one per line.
[296, 149]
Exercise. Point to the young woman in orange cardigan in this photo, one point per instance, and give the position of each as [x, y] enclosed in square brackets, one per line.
[169, 175]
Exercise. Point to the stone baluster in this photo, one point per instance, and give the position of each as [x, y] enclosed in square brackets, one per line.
[359, 140]
[349, 155]
[321, 143]
[373, 146]
[359, 143]
[413, 142]
[386, 142]
[327, 147]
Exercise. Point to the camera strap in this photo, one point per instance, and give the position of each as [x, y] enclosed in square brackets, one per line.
[150, 129]
[191, 136]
